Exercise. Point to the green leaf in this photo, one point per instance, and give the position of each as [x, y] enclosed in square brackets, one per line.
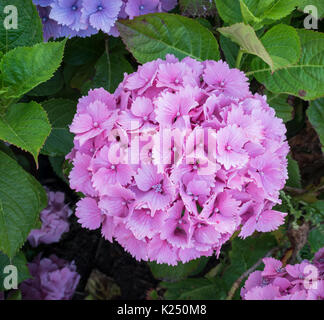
[280, 9]
[316, 239]
[279, 102]
[245, 37]
[26, 67]
[152, 36]
[26, 126]
[21, 200]
[60, 113]
[79, 51]
[315, 114]
[19, 261]
[319, 4]
[197, 8]
[178, 272]
[294, 178]
[29, 28]
[191, 289]
[50, 87]
[303, 79]
[110, 69]
[229, 11]
[248, 16]
[230, 50]
[283, 44]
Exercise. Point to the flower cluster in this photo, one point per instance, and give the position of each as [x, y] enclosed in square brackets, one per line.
[304, 281]
[180, 157]
[82, 18]
[54, 221]
[53, 279]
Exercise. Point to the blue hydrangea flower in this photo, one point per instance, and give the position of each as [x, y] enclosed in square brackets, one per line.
[101, 14]
[68, 13]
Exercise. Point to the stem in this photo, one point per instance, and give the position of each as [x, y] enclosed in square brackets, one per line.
[237, 283]
[239, 58]
[108, 61]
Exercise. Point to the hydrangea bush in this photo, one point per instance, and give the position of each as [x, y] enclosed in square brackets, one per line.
[82, 18]
[179, 158]
[169, 133]
[302, 281]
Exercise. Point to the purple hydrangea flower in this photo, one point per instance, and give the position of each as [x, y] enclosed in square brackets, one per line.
[138, 7]
[101, 14]
[168, 5]
[82, 18]
[51, 29]
[68, 13]
[43, 3]
[54, 221]
[67, 32]
[53, 279]
[1, 295]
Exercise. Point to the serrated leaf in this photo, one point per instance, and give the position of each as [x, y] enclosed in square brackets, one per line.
[60, 113]
[197, 8]
[229, 11]
[245, 37]
[178, 272]
[283, 44]
[20, 199]
[29, 27]
[26, 126]
[19, 261]
[294, 178]
[255, 12]
[248, 16]
[303, 79]
[280, 9]
[279, 102]
[152, 36]
[26, 67]
[315, 114]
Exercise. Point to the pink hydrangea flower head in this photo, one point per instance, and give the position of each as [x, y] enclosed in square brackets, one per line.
[54, 221]
[303, 281]
[177, 159]
[52, 279]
